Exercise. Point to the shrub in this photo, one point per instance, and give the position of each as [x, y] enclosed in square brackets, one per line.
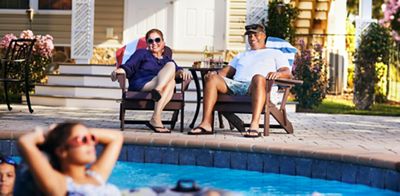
[280, 20]
[311, 68]
[374, 47]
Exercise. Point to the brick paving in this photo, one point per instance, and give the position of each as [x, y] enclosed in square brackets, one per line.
[370, 134]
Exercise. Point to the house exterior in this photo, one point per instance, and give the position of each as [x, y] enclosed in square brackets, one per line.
[190, 26]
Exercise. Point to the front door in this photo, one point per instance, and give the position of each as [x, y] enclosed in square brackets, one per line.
[143, 15]
[198, 24]
[189, 25]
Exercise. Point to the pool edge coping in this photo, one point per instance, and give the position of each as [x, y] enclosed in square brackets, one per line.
[373, 159]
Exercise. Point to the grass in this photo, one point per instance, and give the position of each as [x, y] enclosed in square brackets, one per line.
[335, 105]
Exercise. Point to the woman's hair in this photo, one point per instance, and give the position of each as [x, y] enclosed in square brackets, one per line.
[154, 31]
[57, 137]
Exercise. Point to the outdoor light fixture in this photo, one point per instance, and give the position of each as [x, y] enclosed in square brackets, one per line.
[29, 14]
[280, 8]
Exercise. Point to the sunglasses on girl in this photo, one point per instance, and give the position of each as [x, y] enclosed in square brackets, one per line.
[8, 160]
[156, 40]
[82, 140]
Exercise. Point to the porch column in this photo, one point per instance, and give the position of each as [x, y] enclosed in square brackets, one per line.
[256, 11]
[82, 30]
[364, 19]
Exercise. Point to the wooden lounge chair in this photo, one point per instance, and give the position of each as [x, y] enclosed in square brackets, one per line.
[138, 100]
[18, 56]
[230, 104]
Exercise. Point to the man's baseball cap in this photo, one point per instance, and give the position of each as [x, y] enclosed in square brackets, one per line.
[254, 28]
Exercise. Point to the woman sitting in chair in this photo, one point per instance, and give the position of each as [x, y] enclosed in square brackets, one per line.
[153, 70]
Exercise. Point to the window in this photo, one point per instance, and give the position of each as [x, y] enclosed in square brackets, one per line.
[55, 4]
[14, 4]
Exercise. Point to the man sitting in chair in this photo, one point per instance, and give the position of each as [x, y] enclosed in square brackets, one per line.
[249, 70]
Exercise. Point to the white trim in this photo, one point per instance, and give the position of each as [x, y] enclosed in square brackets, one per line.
[12, 11]
[126, 10]
[43, 12]
[227, 24]
[54, 12]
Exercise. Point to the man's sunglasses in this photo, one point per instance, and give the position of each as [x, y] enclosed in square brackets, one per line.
[151, 41]
[8, 160]
[82, 140]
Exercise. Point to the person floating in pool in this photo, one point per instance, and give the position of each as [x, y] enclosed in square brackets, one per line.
[72, 167]
[8, 169]
[152, 69]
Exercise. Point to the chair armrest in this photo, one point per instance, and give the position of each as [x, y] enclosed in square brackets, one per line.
[287, 82]
[121, 78]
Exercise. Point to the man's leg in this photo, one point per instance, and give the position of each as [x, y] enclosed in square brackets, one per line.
[258, 94]
[214, 84]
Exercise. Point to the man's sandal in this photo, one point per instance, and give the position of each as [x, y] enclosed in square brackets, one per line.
[252, 133]
[202, 131]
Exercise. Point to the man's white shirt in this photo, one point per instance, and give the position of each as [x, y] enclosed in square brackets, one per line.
[262, 61]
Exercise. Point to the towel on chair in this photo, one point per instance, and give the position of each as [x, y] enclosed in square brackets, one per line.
[280, 44]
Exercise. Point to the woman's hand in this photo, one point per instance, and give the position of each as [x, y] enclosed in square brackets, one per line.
[116, 72]
[35, 137]
[184, 75]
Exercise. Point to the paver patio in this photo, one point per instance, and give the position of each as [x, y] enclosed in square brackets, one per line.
[370, 134]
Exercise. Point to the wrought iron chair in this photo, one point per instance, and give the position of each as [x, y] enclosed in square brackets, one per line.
[15, 67]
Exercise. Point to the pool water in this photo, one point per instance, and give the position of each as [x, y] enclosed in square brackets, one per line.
[134, 175]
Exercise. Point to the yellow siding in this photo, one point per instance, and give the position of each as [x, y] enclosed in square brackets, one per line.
[108, 14]
[236, 22]
[59, 26]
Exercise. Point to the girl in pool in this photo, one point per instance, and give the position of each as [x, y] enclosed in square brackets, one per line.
[73, 168]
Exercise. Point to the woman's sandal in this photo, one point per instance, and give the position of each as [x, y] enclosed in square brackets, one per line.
[252, 133]
[152, 127]
[202, 131]
[155, 95]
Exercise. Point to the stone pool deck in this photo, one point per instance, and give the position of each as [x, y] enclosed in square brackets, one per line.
[365, 140]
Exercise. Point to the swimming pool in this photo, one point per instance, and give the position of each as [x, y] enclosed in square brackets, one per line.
[133, 175]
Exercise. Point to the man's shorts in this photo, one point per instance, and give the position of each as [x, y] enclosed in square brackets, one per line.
[242, 88]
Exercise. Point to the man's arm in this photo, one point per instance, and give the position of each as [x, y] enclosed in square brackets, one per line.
[283, 72]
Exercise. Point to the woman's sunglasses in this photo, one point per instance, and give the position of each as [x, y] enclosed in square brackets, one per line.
[82, 140]
[156, 40]
[8, 160]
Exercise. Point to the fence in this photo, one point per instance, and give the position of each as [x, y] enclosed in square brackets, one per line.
[339, 58]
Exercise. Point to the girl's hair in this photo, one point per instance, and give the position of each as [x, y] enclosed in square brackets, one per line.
[154, 31]
[56, 138]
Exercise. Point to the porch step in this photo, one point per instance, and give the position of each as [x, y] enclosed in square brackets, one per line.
[81, 80]
[85, 69]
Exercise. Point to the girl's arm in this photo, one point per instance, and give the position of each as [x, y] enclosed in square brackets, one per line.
[112, 141]
[49, 180]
